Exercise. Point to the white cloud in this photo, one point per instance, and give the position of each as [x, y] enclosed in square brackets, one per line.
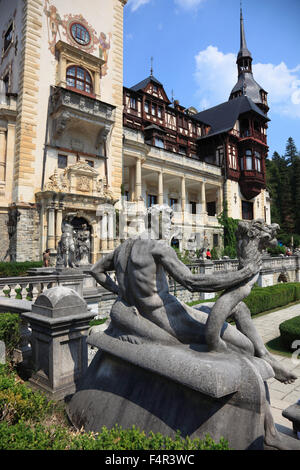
[185, 4]
[189, 4]
[216, 75]
[135, 4]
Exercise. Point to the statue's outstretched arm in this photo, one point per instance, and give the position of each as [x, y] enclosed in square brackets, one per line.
[99, 272]
[200, 282]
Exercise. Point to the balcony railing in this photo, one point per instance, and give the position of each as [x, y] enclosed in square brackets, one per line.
[252, 133]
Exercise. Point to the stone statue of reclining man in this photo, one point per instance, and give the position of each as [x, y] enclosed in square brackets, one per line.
[141, 266]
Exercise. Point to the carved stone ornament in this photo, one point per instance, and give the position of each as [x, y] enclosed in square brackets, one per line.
[58, 183]
[83, 184]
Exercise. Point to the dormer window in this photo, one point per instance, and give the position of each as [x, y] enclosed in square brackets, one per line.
[79, 78]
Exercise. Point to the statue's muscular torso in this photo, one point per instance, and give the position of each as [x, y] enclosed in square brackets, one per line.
[145, 283]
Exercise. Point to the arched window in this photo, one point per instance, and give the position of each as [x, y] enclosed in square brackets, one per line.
[79, 78]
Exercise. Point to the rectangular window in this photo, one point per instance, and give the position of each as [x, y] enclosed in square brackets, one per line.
[159, 112]
[232, 157]
[248, 160]
[182, 150]
[62, 161]
[152, 200]
[211, 208]
[173, 202]
[132, 103]
[219, 155]
[193, 207]
[215, 240]
[146, 107]
[153, 110]
[242, 163]
[247, 210]
[8, 37]
[159, 143]
[257, 157]
[6, 82]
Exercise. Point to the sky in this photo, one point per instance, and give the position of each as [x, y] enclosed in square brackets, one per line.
[194, 45]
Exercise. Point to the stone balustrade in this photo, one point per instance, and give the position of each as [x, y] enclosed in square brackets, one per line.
[29, 287]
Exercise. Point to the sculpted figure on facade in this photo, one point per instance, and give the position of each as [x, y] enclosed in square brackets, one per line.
[146, 313]
[66, 247]
[83, 246]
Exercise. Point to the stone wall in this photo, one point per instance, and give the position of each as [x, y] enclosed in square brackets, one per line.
[27, 237]
[4, 239]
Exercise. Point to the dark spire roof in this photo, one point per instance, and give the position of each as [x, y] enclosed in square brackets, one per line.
[243, 52]
[246, 85]
[223, 117]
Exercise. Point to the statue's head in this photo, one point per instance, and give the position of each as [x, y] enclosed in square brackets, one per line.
[265, 234]
[159, 220]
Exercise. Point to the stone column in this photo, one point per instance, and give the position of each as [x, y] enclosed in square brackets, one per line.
[160, 188]
[110, 227]
[219, 200]
[132, 183]
[138, 179]
[203, 198]
[104, 232]
[51, 228]
[58, 231]
[2, 154]
[183, 194]
[62, 71]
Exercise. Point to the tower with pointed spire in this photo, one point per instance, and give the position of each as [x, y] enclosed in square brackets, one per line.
[246, 85]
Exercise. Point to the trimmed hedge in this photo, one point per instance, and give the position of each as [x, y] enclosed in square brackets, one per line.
[290, 331]
[10, 330]
[27, 417]
[262, 299]
[18, 268]
[21, 436]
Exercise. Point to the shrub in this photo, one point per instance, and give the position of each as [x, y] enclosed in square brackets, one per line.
[96, 322]
[290, 331]
[17, 268]
[21, 436]
[262, 299]
[10, 330]
[215, 253]
[21, 427]
[17, 401]
[277, 250]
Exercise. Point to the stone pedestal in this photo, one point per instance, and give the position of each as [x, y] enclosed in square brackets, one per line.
[206, 267]
[195, 392]
[59, 321]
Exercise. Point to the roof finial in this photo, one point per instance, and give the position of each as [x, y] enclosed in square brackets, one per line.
[151, 70]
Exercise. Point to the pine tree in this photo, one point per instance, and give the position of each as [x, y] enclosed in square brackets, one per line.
[283, 202]
[291, 153]
[296, 192]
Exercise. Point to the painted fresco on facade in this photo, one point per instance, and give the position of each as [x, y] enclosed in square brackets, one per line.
[78, 32]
